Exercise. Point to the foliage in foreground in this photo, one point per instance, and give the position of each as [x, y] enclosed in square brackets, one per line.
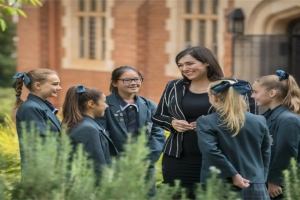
[7, 100]
[9, 152]
[11, 7]
[49, 174]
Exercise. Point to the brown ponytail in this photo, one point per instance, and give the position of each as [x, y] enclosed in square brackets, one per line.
[18, 91]
[75, 105]
[287, 89]
[292, 99]
[35, 75]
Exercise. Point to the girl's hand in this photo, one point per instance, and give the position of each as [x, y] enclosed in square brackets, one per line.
[181, 125]
[240, 182]
[274, 190]
[194, 125]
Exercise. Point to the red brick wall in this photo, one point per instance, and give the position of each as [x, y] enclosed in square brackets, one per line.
[32, 33]
[139, 36]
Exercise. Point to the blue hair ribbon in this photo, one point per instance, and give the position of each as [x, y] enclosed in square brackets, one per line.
[241, 87]
[20, 75]
[80, 89]
[282, 75]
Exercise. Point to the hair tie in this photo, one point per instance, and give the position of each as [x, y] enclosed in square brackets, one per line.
[241, 87]
[18, 96]
[282, 75]
[80, 89]
[20, 75]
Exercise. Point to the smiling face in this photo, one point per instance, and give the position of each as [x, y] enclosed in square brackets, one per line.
[49, 88]
[192, 68]
[261, 95]
[100, 108]
[125, 89]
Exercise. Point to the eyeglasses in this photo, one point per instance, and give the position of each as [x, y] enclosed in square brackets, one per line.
[127, 81]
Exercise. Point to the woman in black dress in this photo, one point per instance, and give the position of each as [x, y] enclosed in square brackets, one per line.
[183, 101]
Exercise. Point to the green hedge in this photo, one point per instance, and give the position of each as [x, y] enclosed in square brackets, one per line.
[7, 100]
[49, 174]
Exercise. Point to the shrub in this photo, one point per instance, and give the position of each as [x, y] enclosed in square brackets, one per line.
[7, 99]
[9, 152]
[292, 181]
[49, 174]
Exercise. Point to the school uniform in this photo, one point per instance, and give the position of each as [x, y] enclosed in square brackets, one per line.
[170, 108]
[247, 153]
[38, 112]
[95, 141]
[182, 158]
[284, 128]
[114, 122]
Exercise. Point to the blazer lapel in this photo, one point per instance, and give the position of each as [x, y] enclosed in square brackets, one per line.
[180, 90]
[102, 131]
[50, 114]
[143, 112]
[114, 106]
[99, 127]
[274, 115]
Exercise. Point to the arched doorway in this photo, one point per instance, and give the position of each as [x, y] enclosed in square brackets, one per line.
[259, 55]
[294, 32]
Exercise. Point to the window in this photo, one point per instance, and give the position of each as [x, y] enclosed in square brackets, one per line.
[200, 23]
[91, 33]
[86, 41]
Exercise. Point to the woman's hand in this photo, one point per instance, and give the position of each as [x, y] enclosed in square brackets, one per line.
[182, 125]
[240, 182]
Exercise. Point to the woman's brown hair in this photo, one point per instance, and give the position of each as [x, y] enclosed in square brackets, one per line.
[75, 104]
[204, 55]
[35, 75]
[288, 90]
[117, 73]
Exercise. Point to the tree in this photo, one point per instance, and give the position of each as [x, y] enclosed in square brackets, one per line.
[12, 7]
[7, 51]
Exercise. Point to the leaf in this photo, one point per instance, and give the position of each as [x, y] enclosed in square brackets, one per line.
[34, 2]
[21, 12]
[2, 24]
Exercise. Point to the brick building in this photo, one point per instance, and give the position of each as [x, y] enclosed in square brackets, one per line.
[84, 40]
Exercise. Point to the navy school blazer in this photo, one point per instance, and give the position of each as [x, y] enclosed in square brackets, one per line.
[34, 110]
[284, 127]
[170, 108]
[95, 142]
[247, 153]
[115, 126]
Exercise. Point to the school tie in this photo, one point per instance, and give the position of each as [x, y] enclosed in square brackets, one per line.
[132, 122]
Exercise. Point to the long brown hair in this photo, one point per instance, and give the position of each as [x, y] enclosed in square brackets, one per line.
[287, 90]
[204, 55]
[232, 111]
[35, 75]
[75, 104]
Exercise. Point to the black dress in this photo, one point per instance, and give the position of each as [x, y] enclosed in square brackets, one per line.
[187, 168]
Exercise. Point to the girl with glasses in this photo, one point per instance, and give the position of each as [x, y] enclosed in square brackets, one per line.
[129, 113]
